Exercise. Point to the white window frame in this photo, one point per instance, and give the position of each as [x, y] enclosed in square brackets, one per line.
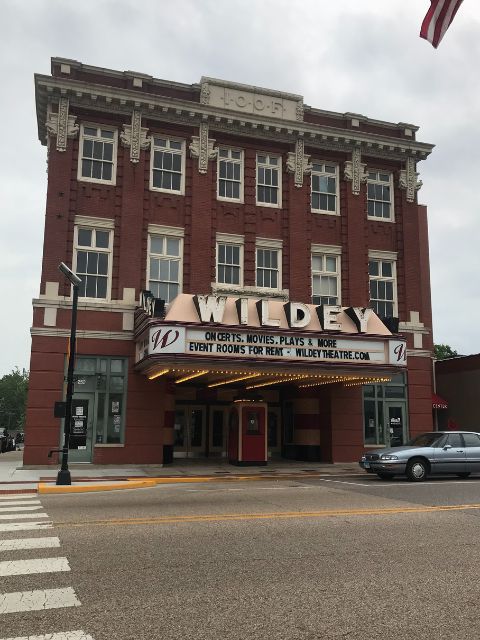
[267, 165]
[383, 183]
[332, 251]
[385, 256]
[321, 173]
[98, 225]
[235, 240]
[181, 152]
[113, 140]
[270, 245]
[241, 162]
[167, 232]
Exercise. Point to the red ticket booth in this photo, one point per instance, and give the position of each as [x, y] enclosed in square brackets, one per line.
[247, 434]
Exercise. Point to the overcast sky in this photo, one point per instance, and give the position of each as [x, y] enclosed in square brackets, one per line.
[348, 55]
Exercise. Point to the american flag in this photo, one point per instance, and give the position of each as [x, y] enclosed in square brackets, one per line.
[439, 17]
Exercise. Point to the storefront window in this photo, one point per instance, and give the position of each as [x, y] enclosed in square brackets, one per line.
[102, 381]
[382, 406]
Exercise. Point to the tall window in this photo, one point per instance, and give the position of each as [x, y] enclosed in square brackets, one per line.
[97, 154]
[92, 257]
[383, 287]
[379, 195]
[229, 263]
[269, 182]
[325, 278]
[268, 268]
[165, 266]
[167, 162]
[324, 187]
[230, 174]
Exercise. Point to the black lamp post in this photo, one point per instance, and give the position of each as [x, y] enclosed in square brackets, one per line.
[63, 476]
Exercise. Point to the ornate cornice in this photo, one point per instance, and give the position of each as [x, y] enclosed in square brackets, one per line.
[62, 125]
[202, 147]
[135, 136]
[185, 112]
[355, 171]
[297, 162]
[408, 179]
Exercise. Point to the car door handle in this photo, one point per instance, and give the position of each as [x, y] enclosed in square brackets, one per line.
[460, 451]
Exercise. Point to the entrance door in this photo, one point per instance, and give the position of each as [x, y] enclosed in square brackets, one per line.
[81, 430]
[217, 431]
[274, 431]
[189, 432]
[395, 427]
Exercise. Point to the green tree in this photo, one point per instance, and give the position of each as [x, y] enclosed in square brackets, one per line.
[13, 399]
[444, 351]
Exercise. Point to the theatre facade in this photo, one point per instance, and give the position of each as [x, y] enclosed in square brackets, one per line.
[255, 275]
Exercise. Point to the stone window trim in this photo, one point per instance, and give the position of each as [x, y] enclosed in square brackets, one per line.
[234, 161]
[99, 250]
[181, 152]
[113, 141]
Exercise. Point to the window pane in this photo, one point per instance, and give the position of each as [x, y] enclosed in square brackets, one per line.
[88, 148]
[331, 263]
[156, 244]
[108, 151]
[97, 170]
[86, 168]
[173, 247]
[154, 268]
[103, 264]
[81, 261]
[91, 288]
[107, 171]
[373, 268]
[101, 239]
[101, 287]
[85, 237]
[90, 131]
[92, 262]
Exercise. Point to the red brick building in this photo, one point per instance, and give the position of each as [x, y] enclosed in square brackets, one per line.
[285, 255]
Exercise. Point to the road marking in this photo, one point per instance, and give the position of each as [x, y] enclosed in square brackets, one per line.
[17, 544]
[18, 503]
[392, 484]
[15, 508]
[271, 516]
[21, 496]
[36, 565]
[25, 526]
[64, 635]
[18, 516]
[39, 600]
[249, 489]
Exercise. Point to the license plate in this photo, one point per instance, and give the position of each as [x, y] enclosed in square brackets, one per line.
[366, 465]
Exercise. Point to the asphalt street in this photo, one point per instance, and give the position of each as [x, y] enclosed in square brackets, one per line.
[343, 557]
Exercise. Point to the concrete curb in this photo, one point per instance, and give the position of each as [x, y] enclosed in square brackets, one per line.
[46, 488]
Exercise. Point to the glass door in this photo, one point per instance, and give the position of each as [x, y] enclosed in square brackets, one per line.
[189, 432]
[81, 430]
[217, 436]
[273, 431]
[395, 426]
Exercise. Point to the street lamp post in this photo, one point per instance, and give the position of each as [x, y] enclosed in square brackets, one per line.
[63, 476]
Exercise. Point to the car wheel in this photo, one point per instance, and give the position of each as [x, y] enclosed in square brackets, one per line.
[417, 470]
[463, 475]
[385, 476]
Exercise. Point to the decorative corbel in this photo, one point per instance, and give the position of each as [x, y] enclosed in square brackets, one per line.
[205, 93]
[61, 125]
[408, 179]
[297, 162]
[202, 148]
[355, 171]
[135, 136]
[299, 111]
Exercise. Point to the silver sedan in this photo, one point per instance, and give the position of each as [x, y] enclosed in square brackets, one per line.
[435, 452]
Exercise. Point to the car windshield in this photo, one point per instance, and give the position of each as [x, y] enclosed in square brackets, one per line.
[425, 440]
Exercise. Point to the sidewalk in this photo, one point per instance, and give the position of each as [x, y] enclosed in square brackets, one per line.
[89, 477]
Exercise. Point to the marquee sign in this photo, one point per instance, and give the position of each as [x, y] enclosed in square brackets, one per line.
[223, 343]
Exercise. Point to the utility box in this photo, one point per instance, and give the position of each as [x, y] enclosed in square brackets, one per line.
[247, 433]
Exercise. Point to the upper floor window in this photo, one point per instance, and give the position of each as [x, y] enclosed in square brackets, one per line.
[379, 195]
[325, 278]
[229, 263]
[324, 187]
[98, 151]
[268, 268]
[167, 164]
[92, 249]
[230, 174]
[269, 180]
[165, 266]
[383, 294]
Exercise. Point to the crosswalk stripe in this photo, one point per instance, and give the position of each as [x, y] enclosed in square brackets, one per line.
[20, 601]
[64, 635]
[19, 496]
[18, 503]
[17, 544]
[18, 516]
[35, 565]
[22, 508]
[25, 526]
